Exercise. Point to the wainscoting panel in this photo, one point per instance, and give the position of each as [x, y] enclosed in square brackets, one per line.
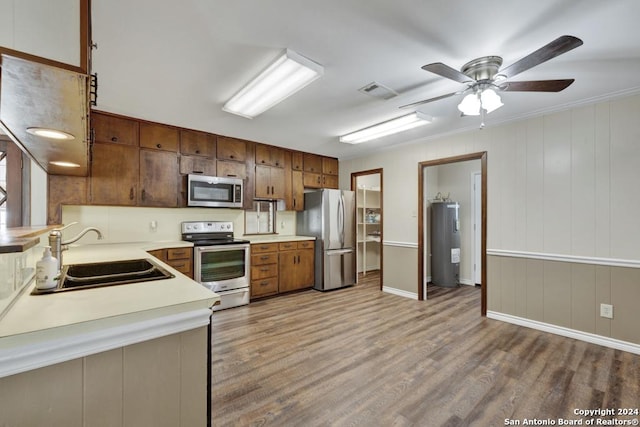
[566, 294]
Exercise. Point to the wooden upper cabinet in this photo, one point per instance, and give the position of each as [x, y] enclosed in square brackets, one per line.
[118, 130]
[158, 178]
[269, 156]
[312, 163]
[197, 143]
[231, 169]
[159, 137]
[329, 166]
[114, 175]
[231, 149]
[330, 181]
[197, 165]
[270, 182]
[297, 159]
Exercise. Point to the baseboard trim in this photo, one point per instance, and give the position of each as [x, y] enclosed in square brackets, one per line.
[400, 292]
[566, 332]
[612, 262]
[33, 356]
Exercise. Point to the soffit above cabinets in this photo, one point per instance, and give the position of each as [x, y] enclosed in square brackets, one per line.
[39, 95]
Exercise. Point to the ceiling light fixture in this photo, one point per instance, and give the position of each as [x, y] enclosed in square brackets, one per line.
[65, 164]
[486, 99]
[50, 133]
[284, 77]
[399, 124]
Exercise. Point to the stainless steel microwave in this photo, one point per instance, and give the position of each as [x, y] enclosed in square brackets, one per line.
[214, 191]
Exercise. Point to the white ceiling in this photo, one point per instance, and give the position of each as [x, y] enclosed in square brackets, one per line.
[178, 62]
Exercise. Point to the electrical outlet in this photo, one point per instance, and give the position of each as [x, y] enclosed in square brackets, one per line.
[606, 310]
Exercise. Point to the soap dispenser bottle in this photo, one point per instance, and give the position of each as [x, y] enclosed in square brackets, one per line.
[46, 270]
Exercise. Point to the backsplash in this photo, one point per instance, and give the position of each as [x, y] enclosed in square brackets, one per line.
[137, 224]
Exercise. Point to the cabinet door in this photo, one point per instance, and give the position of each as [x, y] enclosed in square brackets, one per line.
[197, 143]
[312, 163]
[197, 164]
[312, 180]
[278, 176]
[305, 268]
[269, 156]
[287, 271]
[329, 166]
[329, 181]
[296, 160]
[263, 182]
[114, 129]
[231, 169]
[158, 178]
[231, 149]
[297, 191]
[159, 137]
[114, 174]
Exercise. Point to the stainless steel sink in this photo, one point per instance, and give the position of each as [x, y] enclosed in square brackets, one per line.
[95, 275]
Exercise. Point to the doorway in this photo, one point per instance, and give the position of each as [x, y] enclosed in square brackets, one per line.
[368, 189]
[474, 201]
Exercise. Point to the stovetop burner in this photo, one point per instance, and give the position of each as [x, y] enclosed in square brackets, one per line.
[210, 233]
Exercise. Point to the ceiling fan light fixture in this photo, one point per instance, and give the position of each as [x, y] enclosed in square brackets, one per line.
[397, 125]
[470, 105]
[285, 76]
[490, 100]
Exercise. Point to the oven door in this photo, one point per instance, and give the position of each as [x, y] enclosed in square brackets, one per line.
[223, 267]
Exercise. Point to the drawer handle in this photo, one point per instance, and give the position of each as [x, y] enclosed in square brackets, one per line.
[264, 269]
[264, 257]
[179, 265]
[264, 283]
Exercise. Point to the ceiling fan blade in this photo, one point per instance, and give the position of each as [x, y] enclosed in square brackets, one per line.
[537, 86]
[562, 44]
[424, 101]
[445, 71]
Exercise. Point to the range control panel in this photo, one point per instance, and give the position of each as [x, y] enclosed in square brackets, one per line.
[207, 227]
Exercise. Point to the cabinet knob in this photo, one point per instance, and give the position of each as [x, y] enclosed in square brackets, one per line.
[114, 138]
[231, 157]
[159, 145]
[197, 151]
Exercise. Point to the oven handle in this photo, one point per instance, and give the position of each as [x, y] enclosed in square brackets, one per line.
[219, 248]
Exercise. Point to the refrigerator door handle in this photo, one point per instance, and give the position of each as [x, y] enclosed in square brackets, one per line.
[342, 219]
[339, 251]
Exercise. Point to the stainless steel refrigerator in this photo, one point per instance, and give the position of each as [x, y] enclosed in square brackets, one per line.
[445, 244]
[329, 216]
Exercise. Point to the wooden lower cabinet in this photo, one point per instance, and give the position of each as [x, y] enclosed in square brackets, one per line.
[296, 266]
[281, 267]
[179, 258]
[264, 269]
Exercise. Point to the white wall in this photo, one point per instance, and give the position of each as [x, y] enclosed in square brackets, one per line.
[50, 29]
[564, 183]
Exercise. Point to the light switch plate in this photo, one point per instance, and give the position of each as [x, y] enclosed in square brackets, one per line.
[606, 310]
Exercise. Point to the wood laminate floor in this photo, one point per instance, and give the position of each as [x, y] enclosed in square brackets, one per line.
[361, 357]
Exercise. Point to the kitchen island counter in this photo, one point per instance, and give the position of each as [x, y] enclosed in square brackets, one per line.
[40, 330]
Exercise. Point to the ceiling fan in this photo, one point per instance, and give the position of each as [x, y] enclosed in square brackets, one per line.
[484, 77]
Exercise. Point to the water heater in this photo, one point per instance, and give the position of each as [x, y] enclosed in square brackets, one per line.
[445, 244]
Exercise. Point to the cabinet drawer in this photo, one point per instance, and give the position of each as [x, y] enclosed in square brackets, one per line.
[264, 287]
[306, 244]
[179, 253]
[265, 258]
[182, 265]
[287, 246]
[259, 248]
[259, 272]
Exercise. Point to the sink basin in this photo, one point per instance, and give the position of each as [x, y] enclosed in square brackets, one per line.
[95, 275]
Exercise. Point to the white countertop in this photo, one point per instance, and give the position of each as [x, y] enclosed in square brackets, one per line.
[276, 238]
[37, 319]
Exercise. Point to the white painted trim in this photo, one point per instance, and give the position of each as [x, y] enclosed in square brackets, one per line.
[566, 332]
[612, 262]
[408, 245]
[400, 292]
[33, 356]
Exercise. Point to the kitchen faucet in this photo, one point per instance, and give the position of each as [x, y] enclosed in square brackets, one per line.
[57, 245]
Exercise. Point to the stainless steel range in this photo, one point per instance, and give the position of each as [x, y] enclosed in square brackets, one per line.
[221, 262]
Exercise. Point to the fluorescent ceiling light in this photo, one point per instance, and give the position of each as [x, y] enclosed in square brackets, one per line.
[50, 133]
[399, 124]
[284, 77]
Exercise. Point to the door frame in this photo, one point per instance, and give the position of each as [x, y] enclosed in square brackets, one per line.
[354, 176]
[482, 156]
